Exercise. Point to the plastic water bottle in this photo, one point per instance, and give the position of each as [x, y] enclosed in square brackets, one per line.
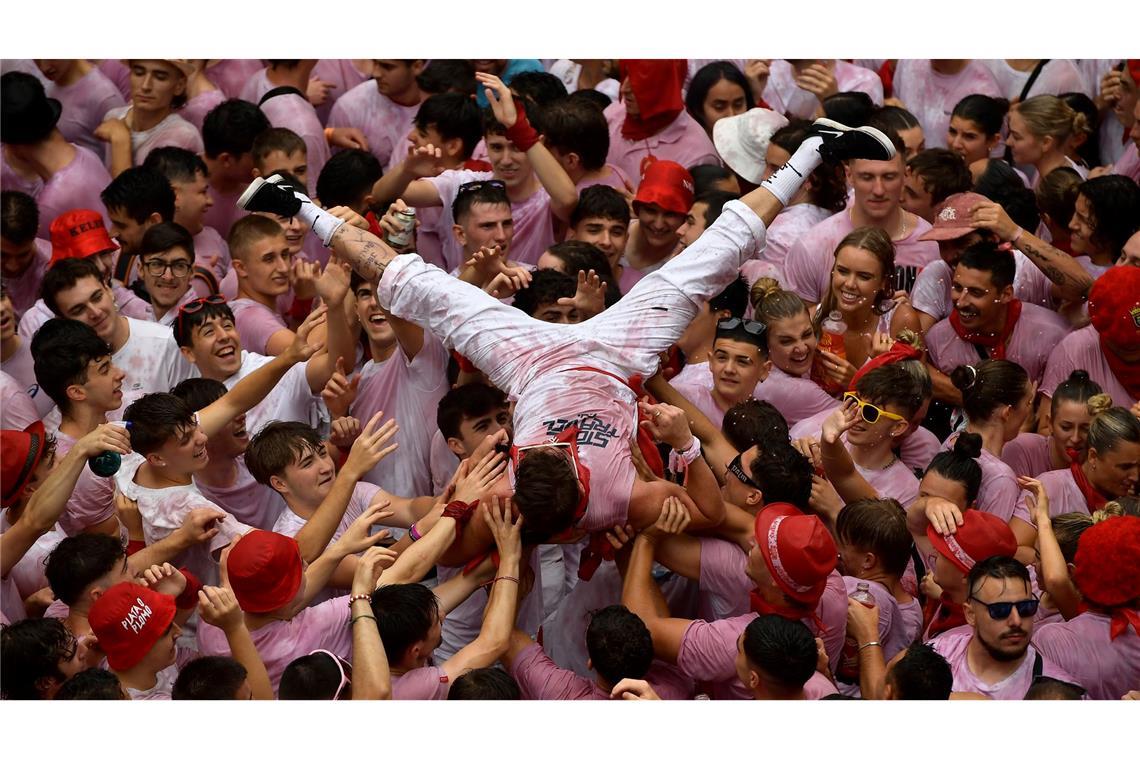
[108, 463]
[831, 339]
[848, 670]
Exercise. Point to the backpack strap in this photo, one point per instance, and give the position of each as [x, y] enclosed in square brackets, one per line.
[283, 90]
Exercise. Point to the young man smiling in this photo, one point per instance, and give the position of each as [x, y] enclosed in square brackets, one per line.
[167, 263]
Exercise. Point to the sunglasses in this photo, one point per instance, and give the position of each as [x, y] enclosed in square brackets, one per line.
[870, 412]
[1026, 608]
[751, 327]
[345, 678]
[474, 187]
[197, 305]
[736, 467]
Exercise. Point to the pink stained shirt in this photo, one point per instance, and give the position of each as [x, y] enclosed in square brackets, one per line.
[199, 106]
[795, 398]
[84, 105]
[1128, 165]
[1035, 328]
[428, 682]
[792, 223]
[931, 96]
[129, 305]
[256, 324]
[24, 289]
[1032, 286]
[807, 269]
[76, 185]
[1028, 454]
[343, 74]
[999, 493]
[784, 96]
[899, 625]
[684, 141]
[1064, 496]
[231, 74]
[173, 131]
[699, 392]
[629, 277]
[91, 502]
[210, 252]
[953, 645]
[918, 446]
[895, 482]
[289, 523]
[28, 574]
[290, 400]
[278, 643]
[409, 392]
[1059, 75]
[17, 410]
[931, 292]
[256, 85]
[151, 360]
[294, 112]
[1081, 350]
[118, 73]
[224, 212]
[539, 678]
[442, 461]
[613, 178]
[384, 122]
[1108, 668]
[250, 502]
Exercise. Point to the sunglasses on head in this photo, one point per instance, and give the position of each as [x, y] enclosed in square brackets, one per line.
[197, 305]
[869, 411]
[1026, 608]
[750, 326]
[736, 467]
[474, 187]
[341, 665]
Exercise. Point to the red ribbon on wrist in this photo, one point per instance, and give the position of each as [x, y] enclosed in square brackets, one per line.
[522, 134]
[189, 596]
[461, 512]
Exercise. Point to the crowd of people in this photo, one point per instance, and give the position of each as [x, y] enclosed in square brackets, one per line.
[570, 379]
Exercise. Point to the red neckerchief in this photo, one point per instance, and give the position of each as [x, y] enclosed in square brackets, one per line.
[1120, 618]
[1093, 497]
[945, 615]
[994, 343]
[373, 225]
[477, 165]
[1128, 373]
[898, 352]
[656, 85]
[762, 607]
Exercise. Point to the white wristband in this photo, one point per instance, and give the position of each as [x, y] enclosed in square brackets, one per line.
[690, 454]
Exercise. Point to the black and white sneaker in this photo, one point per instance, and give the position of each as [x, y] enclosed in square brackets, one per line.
[843, 143]
[272, 196]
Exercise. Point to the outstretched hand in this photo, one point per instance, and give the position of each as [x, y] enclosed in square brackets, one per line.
[500, 97]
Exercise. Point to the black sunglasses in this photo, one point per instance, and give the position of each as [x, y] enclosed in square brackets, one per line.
[1026, 608]
[737, 469]
[474, 187]
[750, 326]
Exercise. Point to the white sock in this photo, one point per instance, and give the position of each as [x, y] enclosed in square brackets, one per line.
[786, 181]
[323, 223]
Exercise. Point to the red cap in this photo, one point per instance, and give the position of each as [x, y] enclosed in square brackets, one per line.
[980, 536]
[666, 183]
[1105, 566]
[798, 550]
[264, 570]
[22, 451]
[953, 221]
[128, 620]
[898, 352]
[79, 233]
[1114, 306]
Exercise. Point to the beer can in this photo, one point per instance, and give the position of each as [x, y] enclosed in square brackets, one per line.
[407, 221]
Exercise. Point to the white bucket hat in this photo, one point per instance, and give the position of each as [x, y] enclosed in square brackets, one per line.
[742, 140]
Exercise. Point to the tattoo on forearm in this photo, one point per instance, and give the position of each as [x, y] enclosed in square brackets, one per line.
[1045, 257]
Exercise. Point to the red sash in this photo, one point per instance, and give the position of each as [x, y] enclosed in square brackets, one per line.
[1093, 497]
[995, 344]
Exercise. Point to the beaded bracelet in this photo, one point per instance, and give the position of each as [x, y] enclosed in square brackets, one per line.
[359, 598]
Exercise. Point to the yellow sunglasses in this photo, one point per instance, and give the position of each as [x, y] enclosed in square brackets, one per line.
[869, 411]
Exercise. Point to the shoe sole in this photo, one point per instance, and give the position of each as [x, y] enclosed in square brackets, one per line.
[876, 134]
[251, 191]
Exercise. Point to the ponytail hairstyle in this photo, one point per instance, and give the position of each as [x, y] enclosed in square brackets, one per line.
[1049, 116]
[988, 113]
[960, 464]
[988, 385]
[1111, 425]
[1056, 194]
[1077, 387]
[876, 242]
[827, 184]
[771, 303]
[1069, 526]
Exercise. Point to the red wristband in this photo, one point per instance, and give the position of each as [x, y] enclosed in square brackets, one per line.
[301, 308]
[135, 546]
[189, 596]
[461, 512]
[522, 134]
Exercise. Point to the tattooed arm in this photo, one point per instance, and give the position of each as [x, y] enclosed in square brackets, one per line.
[368, 254]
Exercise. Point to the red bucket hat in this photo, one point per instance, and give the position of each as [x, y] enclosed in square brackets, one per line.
[264, 570]
[980, 536]
[1114, 306]
[799, 551]
[22, 452]
[128, 620]
[79, 233]
[953, 221]
[666, 183]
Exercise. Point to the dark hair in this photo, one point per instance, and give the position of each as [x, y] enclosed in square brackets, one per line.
[985, 111]
[277, 139]
[1078, 386]
[484, 683]
[1002, 185]
[989, 384]
[78, 561]
[63, 350]
[63, 275]
[943, 173]
[734, 298]
[19, 217]
[894, 384]
[1114, 210]
[921, 673]
[877, 526]
[740, 334]
[448, 76]
[960, 464]
[999, 567]
[176, 164]
[156, 418]
[185, 324]
[347, 178]
[467, 402]
[285, 63]
[596, 98]
[199, 392]
[985, 256]
[453, 116]
[30, 650]
[752, 422]
[706, 77]
[491, 195]
[601, 202]
[852, 108]
[1057, 192]
[231, 127]
[91, 684]
[1089, 150]
[715, 200]
[546, 494]
[580, 256]
[546, 287]
[313, 676]
[212, 677]
[895, 118]
[619, 644]
[1045, 687]
[784, 649]
[576, 126]
[783, 474]
[706, 176]
[140, 192]
[405, 613]
[538, 90]
[276, 446]
[163, 236]
[827, 186]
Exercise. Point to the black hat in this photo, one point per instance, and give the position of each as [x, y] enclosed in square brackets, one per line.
[27, 115]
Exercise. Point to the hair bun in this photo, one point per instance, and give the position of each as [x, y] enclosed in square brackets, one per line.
[1099, 403]
[964, 376]
[968, 445]
[1078, 376]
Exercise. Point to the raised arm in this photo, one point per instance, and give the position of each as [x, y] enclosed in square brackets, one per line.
[332, 287]
[837, 462]
[357, 538]
[714, 446]
[218, 607]
[863, 626]
[1054, 570]
[371, 678]
[667, 423]
[407, 180]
